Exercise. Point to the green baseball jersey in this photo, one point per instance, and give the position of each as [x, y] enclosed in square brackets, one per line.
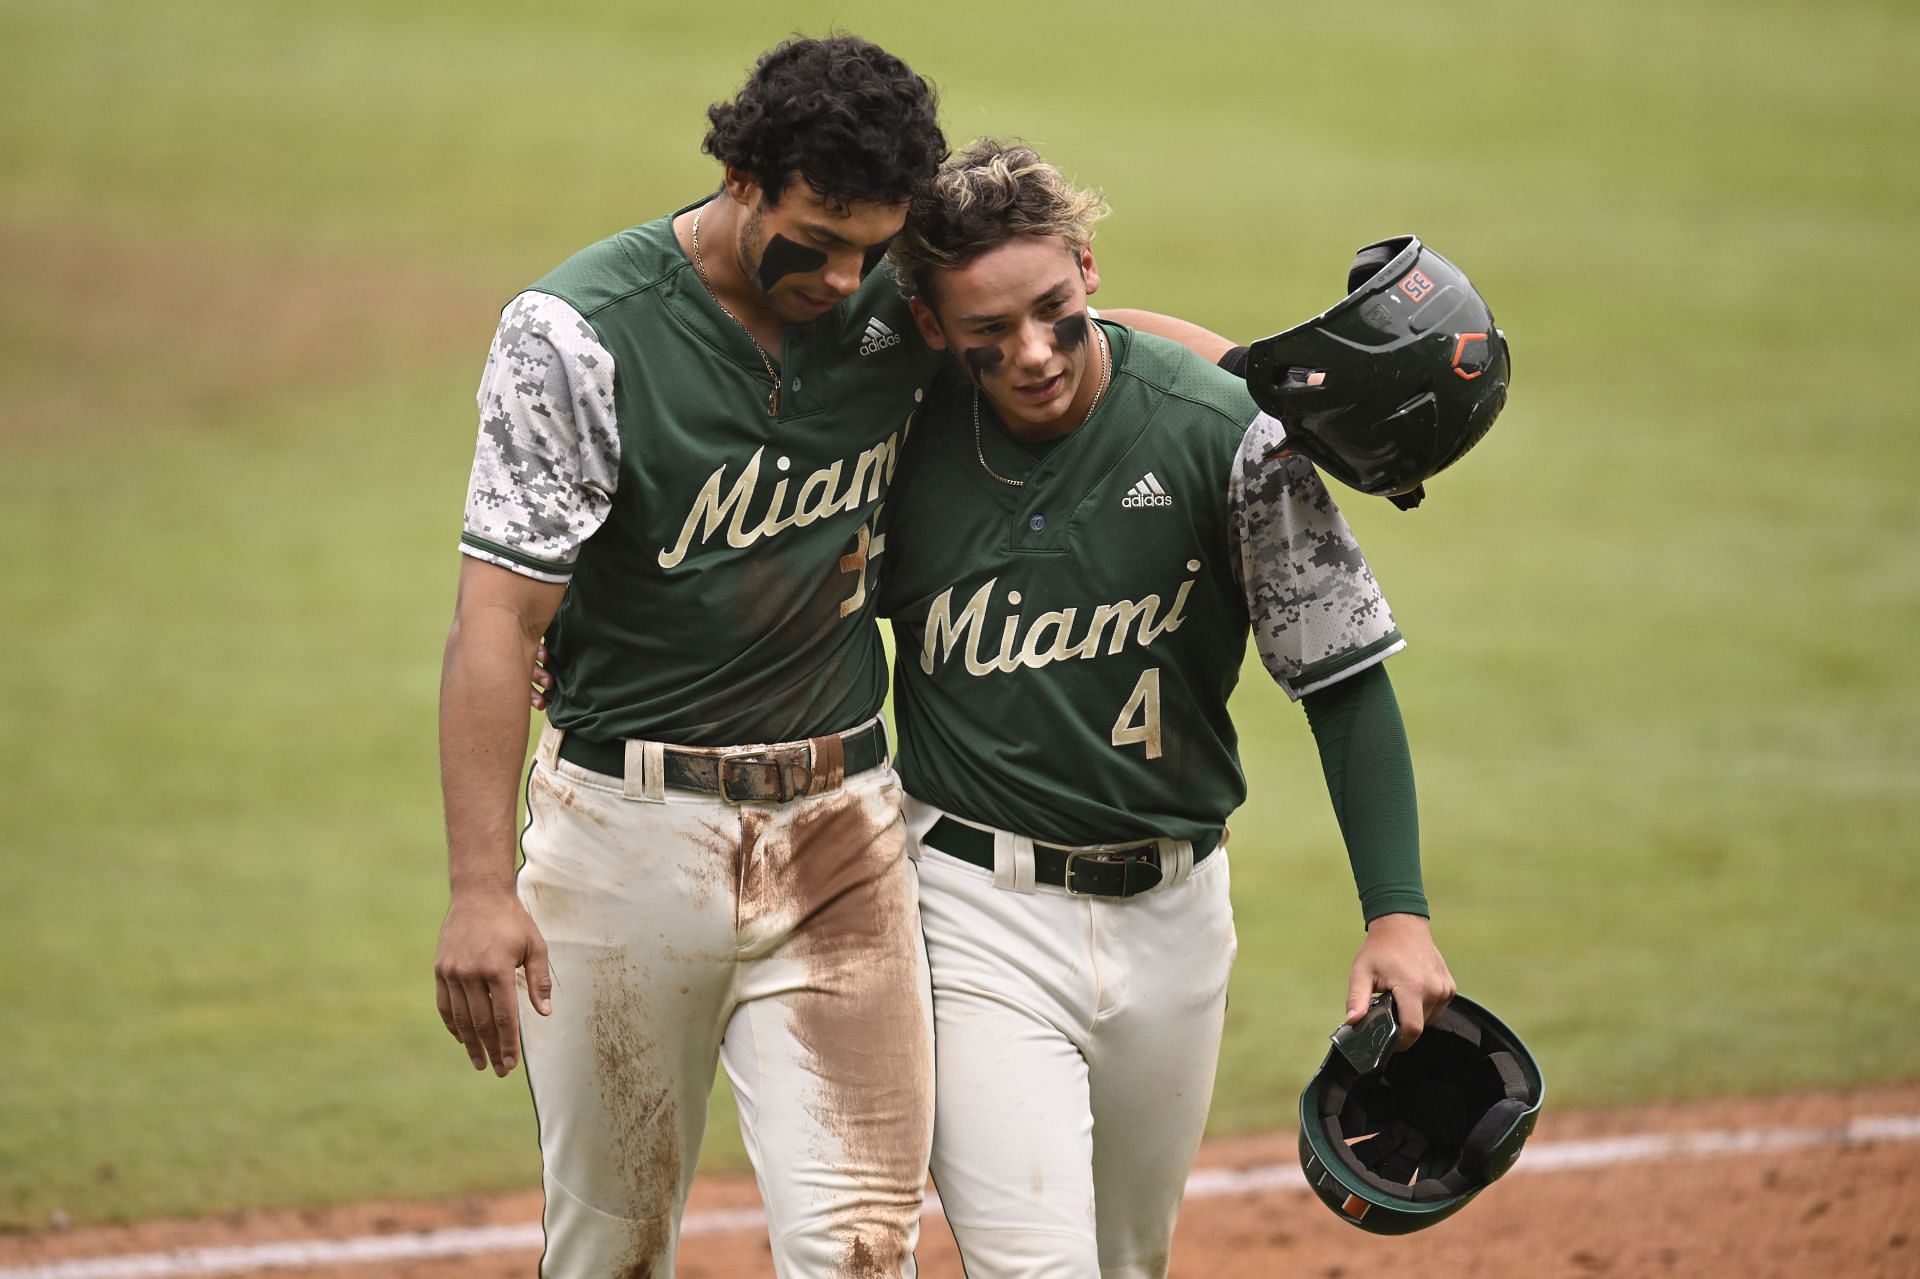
[716, 558]
[1064, 651]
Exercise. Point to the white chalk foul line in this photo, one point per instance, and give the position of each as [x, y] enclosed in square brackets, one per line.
[1207, 1183]
[1601, 1152]
[191, 1263]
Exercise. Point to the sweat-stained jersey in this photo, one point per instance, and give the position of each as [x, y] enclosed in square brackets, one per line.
[1064, 651]
[716, 559]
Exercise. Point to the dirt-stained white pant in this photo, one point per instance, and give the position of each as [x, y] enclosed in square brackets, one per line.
[782, 939]
[1075, 1041]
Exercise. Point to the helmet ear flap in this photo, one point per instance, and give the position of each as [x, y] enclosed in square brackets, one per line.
[1484, 1154]
[1477, 1153]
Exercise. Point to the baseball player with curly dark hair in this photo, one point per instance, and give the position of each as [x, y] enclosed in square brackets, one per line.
[1088, 523]
[686, 435]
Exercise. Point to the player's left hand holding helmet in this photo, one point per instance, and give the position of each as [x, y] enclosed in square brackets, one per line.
[1394, 1142]
[1394, 383]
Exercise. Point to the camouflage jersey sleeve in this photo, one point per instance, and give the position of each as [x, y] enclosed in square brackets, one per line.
[1318, 615]
[548, 456]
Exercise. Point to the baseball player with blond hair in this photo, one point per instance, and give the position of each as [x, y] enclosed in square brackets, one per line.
[1086, 525]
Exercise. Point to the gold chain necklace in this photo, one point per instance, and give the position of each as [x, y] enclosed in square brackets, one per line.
[700, 269]
[1106, 374]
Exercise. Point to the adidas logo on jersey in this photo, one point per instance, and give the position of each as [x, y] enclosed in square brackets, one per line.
[878, 337]
[1146, 491]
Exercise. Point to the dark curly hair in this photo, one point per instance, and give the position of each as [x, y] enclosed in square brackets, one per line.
[851, 119]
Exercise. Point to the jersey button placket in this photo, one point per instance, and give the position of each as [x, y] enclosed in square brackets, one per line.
[793, 355]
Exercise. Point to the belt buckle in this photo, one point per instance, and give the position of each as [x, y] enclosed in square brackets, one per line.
[1066, 875]
[785, 761]
[1121, 852]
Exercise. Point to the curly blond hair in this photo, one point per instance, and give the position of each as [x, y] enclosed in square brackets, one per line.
[987, 194]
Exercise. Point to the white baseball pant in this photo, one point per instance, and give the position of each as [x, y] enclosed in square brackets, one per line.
[1075, 1042]
[782, 939]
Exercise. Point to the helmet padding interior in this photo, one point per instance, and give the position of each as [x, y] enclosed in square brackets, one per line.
[1423, 1126]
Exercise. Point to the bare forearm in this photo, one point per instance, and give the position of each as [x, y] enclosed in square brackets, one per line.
[483, 740]
[487, 934]
[1203, 342]
[483, 719]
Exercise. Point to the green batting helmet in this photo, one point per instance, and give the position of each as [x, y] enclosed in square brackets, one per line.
[1394, 1142]
[1394, 383]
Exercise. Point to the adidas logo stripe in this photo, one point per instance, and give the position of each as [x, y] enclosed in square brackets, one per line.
[1146, 491]
[878, 337]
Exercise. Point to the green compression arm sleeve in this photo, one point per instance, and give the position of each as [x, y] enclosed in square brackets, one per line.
[1363, 751]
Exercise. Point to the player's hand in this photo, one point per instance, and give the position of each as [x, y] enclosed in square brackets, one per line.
[484, 939]
[542, 679]
[1399, 957]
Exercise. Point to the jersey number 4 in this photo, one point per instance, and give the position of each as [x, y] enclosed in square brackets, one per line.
[1140, 718]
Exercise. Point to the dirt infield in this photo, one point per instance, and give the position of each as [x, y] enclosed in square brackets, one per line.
[1845, 1208]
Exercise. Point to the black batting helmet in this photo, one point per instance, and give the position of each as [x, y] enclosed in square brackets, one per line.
[1394, 1142]
[1394, 383]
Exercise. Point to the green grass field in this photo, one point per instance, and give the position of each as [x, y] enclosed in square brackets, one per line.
[1665, 724]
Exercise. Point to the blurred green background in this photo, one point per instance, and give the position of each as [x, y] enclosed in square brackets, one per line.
[1659, 688]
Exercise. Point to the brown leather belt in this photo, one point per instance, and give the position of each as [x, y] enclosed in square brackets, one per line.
[747, 774]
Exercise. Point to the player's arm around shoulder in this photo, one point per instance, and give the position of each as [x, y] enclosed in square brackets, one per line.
[1203, 342]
